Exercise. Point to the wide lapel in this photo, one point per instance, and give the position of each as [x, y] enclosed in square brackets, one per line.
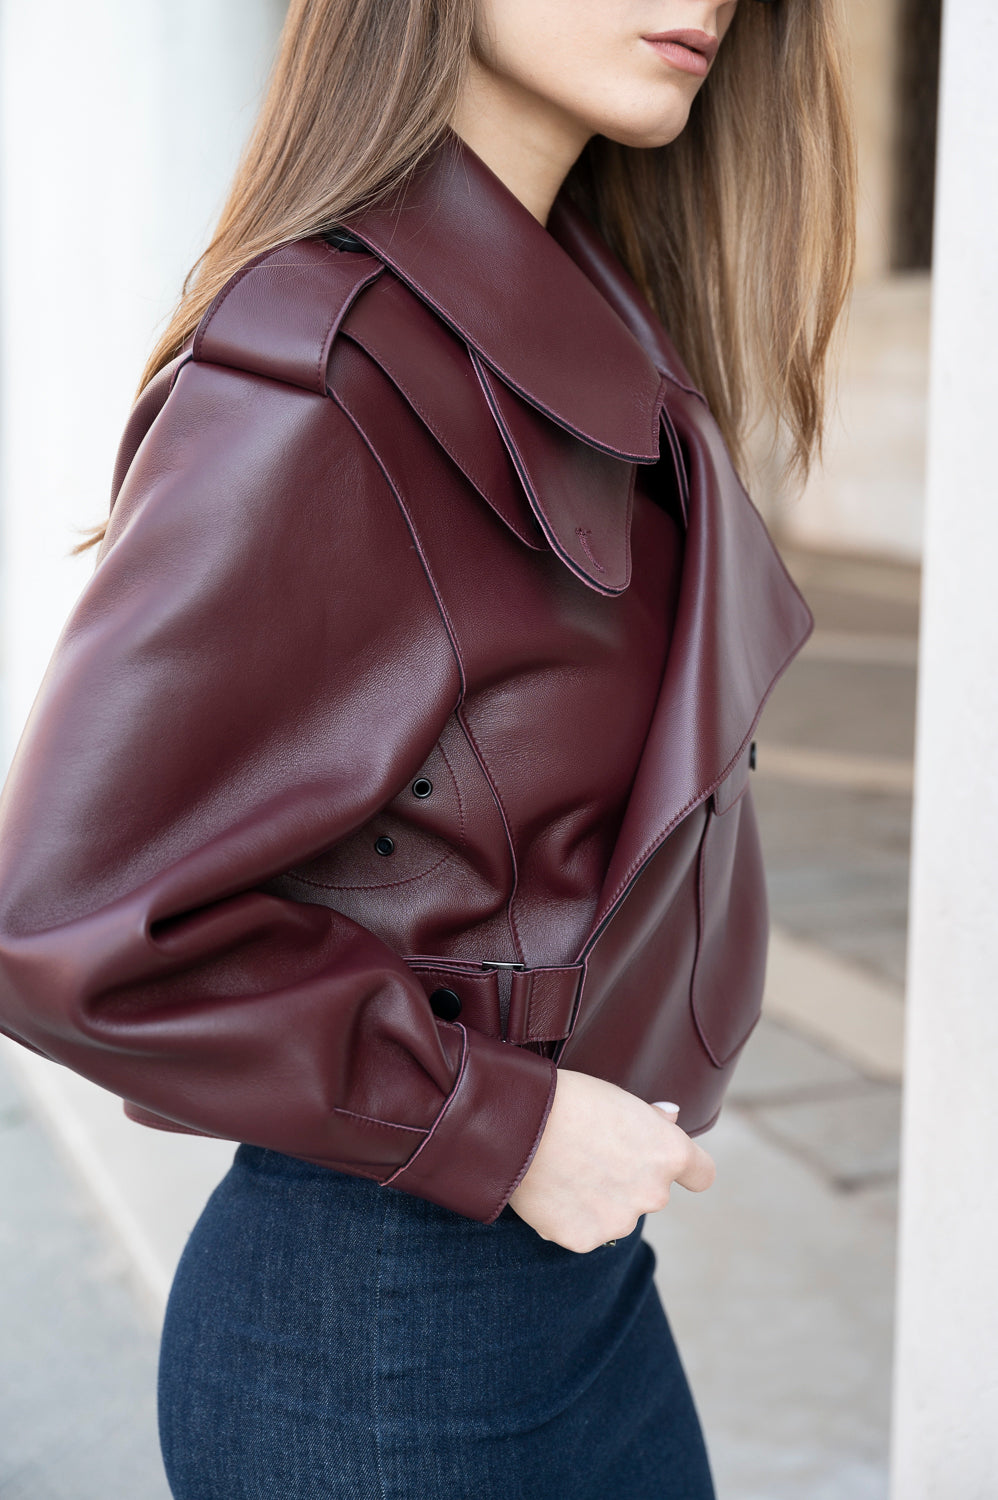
[572, 393]
[559, 334]
[740, 618]
[740, 621]
[469, 248]
[580, 495]
[570, 228]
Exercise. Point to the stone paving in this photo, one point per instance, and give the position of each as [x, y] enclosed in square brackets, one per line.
[778, 1281]
[78, 1360]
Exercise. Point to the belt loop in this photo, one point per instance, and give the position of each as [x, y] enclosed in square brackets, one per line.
[542, 1003]
[503, 972]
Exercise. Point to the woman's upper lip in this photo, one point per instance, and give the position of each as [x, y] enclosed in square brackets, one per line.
[697, 41]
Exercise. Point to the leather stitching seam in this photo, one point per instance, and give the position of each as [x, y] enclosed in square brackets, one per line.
[462, 830]
[441, 606]
[443, 1108]
[424, 296]
[650, 848]
[373, 1120]
[367, 344]
[511, 1189]
[582, 532]
[701, 937]
[380, 885]
[487, 770]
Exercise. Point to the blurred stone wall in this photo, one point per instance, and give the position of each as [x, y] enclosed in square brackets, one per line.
[868, 495]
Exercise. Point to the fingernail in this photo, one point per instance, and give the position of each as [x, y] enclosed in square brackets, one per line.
[664, 1104]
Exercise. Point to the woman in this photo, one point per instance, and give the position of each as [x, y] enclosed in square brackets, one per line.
[385, 808]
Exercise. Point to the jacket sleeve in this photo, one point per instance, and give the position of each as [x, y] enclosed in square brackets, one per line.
[256, 667]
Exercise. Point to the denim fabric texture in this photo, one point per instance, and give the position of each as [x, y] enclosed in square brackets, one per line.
[326, 1337]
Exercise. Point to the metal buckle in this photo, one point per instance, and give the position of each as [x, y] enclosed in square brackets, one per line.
[490, 963]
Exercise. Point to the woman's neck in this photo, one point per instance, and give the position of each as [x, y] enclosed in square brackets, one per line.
[528, 142]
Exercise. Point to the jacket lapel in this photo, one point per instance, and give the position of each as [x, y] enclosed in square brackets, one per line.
[740, 618]
[559, 377]
[570, 229]
[582, 382]
[457, 236]
[580, 495]
[549, 487]
[740, 621]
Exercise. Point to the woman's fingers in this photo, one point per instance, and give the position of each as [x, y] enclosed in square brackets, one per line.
[700, 1171]
[603, 1160]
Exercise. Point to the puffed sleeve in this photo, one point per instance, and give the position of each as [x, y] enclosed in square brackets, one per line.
[257, 666]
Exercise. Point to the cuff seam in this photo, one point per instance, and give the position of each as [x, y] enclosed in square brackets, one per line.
[533, 1148]
[373, 1120]
[443, 1109]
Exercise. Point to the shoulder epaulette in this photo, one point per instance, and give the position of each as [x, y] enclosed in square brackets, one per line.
[279, 315]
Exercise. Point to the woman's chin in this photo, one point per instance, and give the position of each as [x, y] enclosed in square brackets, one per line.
[648, 130]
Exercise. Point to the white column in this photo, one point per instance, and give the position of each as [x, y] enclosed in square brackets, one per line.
[945, 1439]
[121, 122]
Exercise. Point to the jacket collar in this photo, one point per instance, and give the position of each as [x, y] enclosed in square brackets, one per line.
[570, 228]
[579, 343]
[463, 242]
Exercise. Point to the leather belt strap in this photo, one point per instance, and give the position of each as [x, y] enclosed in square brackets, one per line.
[542, 1001]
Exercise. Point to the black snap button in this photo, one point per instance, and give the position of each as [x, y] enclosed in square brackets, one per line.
[422, 787]
[445, 1004]
[384, 845]
[751, 756]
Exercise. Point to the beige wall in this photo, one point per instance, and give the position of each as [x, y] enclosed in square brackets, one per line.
[868, 495]
[872, 28]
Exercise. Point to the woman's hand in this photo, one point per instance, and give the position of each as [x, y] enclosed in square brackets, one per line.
[604, 1159]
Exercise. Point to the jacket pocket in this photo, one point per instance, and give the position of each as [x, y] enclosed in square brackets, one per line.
[729, 968]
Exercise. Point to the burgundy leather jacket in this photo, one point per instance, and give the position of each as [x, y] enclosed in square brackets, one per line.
[291, 850]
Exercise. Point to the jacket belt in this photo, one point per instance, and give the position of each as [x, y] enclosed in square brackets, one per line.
[509, 1001]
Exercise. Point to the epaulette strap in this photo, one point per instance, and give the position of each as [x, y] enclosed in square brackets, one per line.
[279, 315]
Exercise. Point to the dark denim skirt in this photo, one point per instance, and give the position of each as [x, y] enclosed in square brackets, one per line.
[326, 1337]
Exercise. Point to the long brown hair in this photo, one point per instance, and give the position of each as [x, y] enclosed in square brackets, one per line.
[740, 232]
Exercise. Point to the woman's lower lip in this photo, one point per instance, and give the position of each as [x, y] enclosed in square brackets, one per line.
[683, 58]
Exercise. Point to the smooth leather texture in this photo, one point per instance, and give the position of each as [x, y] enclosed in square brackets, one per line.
[450, 509]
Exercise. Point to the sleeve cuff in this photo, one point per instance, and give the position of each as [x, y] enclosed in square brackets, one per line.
[485, 1136]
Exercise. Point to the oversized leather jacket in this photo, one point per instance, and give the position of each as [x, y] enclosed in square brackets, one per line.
[265, 869]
